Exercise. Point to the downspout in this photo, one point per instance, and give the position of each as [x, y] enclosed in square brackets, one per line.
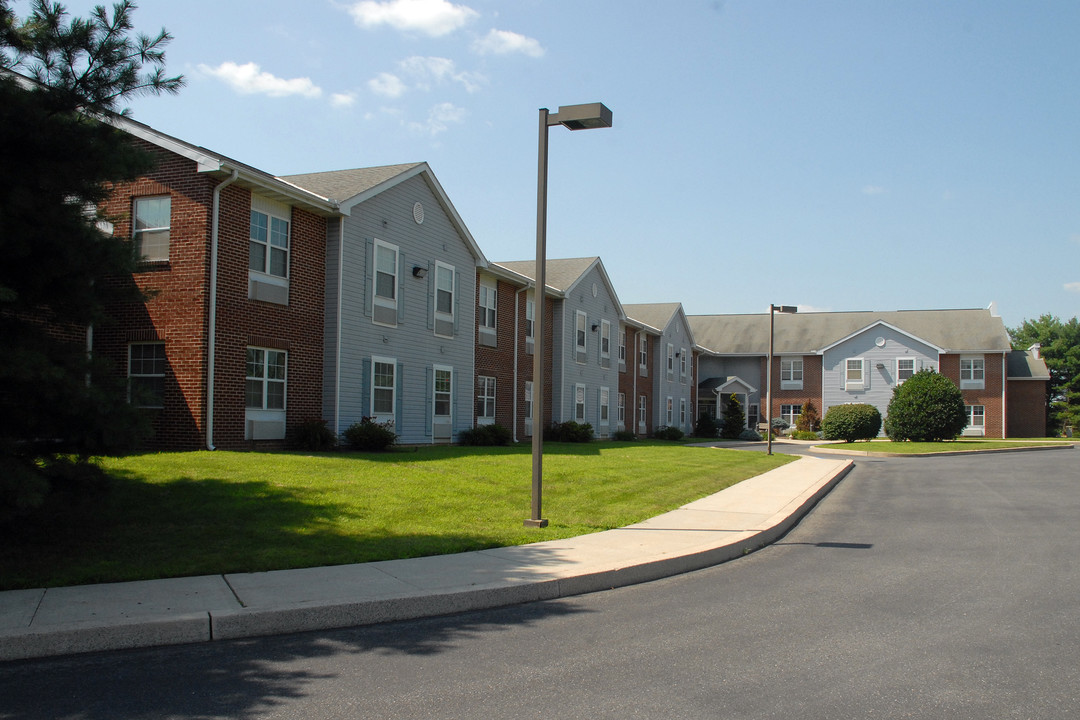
[211, 343]
[337, 343]
[637, 370]
[1004, 386]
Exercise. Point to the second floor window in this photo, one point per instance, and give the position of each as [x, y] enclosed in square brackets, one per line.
[268, 249]
[151, 228]
[791, 374]
[486, 307]
[972, 372]
[444, 299]
[530, 319]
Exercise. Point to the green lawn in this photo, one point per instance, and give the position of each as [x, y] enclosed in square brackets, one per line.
[918, 448]
[179, 514]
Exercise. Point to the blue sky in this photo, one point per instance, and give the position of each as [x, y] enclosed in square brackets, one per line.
[842, 155]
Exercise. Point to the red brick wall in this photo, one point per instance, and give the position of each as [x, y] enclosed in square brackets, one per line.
[1025, 403]
[811, 387]
[644, 384]
[177, 308]
[989, 397]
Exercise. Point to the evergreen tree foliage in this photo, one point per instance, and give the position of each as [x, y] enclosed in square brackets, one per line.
[928, 407]
[60, 82]
[734, 419]
[1060, 349]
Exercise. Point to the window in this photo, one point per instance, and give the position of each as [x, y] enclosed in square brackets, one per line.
[622, 347]
[669, 412]
[444, 299]
[791, 374]
[905, 368]
[146, 374]
[976, 419]
[579, 403]
[151, 228]
[972, 373]
[853, 378]
[622, 409]
[383, 387]
[386, 283]
[443, 384]
[528, 406]
[530, 320]
[486, 307]
[605, 342]
[485, 399]
[752, 413]
[265, 386]
[580, 335]
[268, 248]
[670, 362]
[605, 406]
[642, 409]
[682, 412]
[643, 353]
[791, 413]
[682, 364]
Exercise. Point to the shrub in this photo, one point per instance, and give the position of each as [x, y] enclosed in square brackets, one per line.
[926, 408]
[779, 425]
[369, 435]
[311, 435]
[749, 434]
[733, 418]
[624, 435]
[494, 434]
[804, 435]
[707, 426]
[569, 431]
[851, 422]
[665, 432]
[808, 421]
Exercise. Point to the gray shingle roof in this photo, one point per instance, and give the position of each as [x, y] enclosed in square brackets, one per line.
[340, 185]
[561, 274]
[657, 315]
[1023, 365]
[950, 330]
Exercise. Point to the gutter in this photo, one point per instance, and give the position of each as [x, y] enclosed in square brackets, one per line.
[211, 342]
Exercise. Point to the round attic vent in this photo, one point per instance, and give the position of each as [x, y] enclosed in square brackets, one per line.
[418, 213]
[880, 342]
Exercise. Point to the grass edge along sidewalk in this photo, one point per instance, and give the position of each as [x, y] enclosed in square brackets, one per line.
[184, 514]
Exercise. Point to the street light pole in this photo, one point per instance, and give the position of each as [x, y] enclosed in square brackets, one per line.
[573, 117]
[768, 371]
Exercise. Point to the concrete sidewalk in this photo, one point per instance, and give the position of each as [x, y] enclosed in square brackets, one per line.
[731, 523]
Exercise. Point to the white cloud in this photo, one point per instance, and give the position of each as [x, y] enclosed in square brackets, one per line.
[439, 119]
[504, 42]
[249, 79]
[343, 100]
[1073, 287]
[426, 72]
[873, 190]
[387, 85]
[431, 17]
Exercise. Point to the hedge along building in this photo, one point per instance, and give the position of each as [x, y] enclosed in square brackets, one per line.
[860, 357]
[399, 316]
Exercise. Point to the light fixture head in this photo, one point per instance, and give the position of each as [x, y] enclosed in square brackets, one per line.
[419, 271]
[582, 117]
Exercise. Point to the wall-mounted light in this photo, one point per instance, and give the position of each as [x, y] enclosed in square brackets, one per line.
[676, 354]
[880, 366]
[595, 327]
[419, 272]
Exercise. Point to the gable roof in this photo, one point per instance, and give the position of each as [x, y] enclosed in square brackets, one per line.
[348, 188]
[810, 333]
[1026, 365]
[562, 275]
[658, 315]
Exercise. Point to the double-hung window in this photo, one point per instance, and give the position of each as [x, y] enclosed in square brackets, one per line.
[976, 420]
[605, 411]
[151, 228]
[580, 336]
[682, 412]
[670, 363]
[485, 399]
[268, 248]
[791, 413]
[383, 388]
[444, 299]
[443, 385]
[579, 403]
[486, 307]
[669, 411]
[853, 374]
[528, 407]
[622, 347]
[622, 410]
[791, 373]
[265, 382]
[643, 355]
[682, 364]
[972, 373]
[642, 410]
[530, 320]
[146, 374]
[905, 368]
[605, 342]
[386, 290]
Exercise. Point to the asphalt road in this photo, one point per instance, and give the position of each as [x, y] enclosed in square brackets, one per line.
[919, 588]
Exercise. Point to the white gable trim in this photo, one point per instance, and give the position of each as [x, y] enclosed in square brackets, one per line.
[868, 328]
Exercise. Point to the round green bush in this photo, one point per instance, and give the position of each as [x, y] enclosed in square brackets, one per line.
[928, 407]
[369, 435]
[851, 422]
[665, 432]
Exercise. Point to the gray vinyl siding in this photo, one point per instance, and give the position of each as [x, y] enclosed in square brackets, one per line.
[590, 372]
[412, 343]
[678, 335]
[878, 382]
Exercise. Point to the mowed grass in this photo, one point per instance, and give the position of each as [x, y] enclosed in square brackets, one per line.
[922, 448]
[181, 514]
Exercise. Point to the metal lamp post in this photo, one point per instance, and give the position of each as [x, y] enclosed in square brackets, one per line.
[574, 117]
[768, 381]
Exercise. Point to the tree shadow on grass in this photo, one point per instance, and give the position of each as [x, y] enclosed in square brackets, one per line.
[240, 678]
